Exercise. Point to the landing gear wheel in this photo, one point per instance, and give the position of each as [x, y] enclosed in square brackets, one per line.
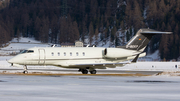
[93, 72]
[84, 71]
[25, 69]
[25, 72]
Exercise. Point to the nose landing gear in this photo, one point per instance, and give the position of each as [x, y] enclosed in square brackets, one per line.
[25, 69]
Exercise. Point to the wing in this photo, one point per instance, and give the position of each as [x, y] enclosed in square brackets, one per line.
[93, 65]
[98, 65]
[111, 65]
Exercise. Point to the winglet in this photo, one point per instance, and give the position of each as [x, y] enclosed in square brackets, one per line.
[135, 59]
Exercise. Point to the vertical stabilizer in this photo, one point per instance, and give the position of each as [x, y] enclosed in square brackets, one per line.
[142, 38]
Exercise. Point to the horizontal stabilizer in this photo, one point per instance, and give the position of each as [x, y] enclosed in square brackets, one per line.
[151, 31]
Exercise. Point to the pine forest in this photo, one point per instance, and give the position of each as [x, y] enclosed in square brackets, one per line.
[99, 21]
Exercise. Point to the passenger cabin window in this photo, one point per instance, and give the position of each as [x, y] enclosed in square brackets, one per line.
[77, 54]
[58, 54]
[70, 53]
[83, 54]
[52, 54]
[64, 53]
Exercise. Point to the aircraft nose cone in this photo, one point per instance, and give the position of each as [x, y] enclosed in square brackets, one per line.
[11, 60]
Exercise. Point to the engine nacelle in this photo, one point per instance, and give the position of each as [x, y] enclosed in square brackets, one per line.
[116, 53]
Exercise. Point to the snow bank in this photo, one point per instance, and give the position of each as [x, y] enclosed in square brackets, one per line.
[25, 40]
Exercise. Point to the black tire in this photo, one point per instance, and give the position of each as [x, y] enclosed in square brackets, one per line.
[24, 72]
[93, 72]
[84, 71]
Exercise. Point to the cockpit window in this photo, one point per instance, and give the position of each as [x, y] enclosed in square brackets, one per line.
[24, 51]
[27, 51]
[30, 51]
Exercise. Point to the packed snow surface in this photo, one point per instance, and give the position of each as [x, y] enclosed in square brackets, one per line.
[89, 88]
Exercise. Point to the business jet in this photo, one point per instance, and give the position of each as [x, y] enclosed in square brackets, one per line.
[87, 59]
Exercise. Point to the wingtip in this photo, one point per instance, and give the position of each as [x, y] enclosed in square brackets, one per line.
[169, 32]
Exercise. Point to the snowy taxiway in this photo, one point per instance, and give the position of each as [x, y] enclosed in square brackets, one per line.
[89, 88]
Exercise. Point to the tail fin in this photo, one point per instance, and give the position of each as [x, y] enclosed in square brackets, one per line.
[142, 38]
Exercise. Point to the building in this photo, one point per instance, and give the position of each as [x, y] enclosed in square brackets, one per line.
[79, 44]
[65, 44]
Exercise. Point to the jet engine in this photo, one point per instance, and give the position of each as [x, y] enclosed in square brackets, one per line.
[116, 53]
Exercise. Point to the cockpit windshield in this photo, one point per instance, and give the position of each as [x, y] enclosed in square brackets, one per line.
[27, 51]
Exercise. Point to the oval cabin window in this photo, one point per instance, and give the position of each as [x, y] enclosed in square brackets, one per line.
[83, 54]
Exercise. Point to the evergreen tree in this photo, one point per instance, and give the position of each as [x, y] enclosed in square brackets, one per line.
[44, 19]
[91, 32]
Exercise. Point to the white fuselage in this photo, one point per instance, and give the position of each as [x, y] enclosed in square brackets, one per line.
[73, 56]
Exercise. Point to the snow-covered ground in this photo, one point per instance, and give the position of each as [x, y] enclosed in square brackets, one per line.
[151, 57]
[89, 88]
[25, 40]
[164, 66]
[16, 46]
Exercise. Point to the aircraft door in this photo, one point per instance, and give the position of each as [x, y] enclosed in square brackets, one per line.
[41, 56]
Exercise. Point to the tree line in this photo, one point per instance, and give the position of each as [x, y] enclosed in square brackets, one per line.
[60, 21]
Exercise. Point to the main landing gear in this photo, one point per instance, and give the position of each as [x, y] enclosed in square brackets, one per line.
[25, 69]
[93, 72]
[85, 71]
